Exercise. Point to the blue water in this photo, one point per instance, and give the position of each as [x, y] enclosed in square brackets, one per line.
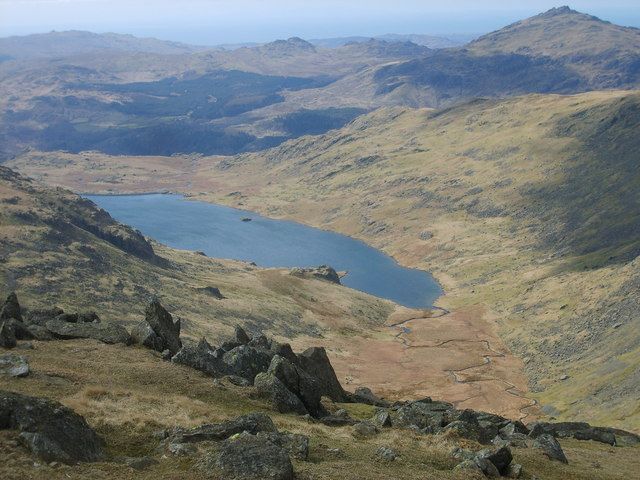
[220, 232]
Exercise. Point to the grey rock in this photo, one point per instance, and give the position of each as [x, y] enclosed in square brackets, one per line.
[7, 335]
[137, 463]
[42, 316]
[246, 361]
[551, 448]
[386, 453]
[487, 467]
[365, 395]
[382, 418]
[298, 381]
[14, 365]
[249, 456]
[468, 465]
[279, 396]
[20, 330]
[50, 430]
[143, 334]
[500, 457]
[88, 317]
[203, 357]
[252, 423]
[181, 449]
[579, 431]
[294, 444]
[164, 326]
[110, 333]
[40, 332]
[11, 308]
[241, 336]
[316, 362]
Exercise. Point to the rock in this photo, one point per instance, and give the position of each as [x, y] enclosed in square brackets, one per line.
[487, 467]
[20, 330]
[50, 430]
[465, 429]
[238, 381]
[323, 272]
[337, 421]
[7, 335]
[365, 429]
[203, 357]
[316, 362]
[247, 456]
[382, 418]
[40, 332]
[88, 317]
[551, 448]
[365, 395]
[14, 365]
[577, 430]
[143, 334]
[386, 454]
[11, 308]
[294, 444]
[299, 382]
[68, 317]
[181, 449]
[515, 471]
[246, 361]
[163, 325]
[500, 457]
[468, 466]
[422, 415]
[213, 292]
[280, 397]
[252, 423]
[42, 316]
[241, 336]
[110, 333]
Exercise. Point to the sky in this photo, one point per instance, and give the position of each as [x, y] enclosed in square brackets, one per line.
[210, 22]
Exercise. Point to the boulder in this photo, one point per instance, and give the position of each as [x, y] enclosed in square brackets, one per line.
[203, 357]
[20, 330]
[515, 471]
[386, 454]
[279, 396]
[104, 332]
[294, 444]
[88, 317]
[500, 457]
[14, 365]
[11, 308]
[163, 325]
[550, 447]
[40, 332]
[315, 361]
[246, 361]
[487, 467]
[52, 432]
[241, 336]
[252, 423]
[143, 334]
[382, 418]
[298, 381]
[250, 457]
[366, 396]
[42, 316]
[7, 335]
[577, 430]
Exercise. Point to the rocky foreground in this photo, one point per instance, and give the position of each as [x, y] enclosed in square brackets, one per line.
[251, 446]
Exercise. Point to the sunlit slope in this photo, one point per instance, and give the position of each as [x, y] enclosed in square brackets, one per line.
[527, 206]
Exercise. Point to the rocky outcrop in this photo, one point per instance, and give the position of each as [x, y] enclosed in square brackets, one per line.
[14, 365]
[315, 361]
[162, 323]
[278, 395]
[11, 308]
[52, 432]
[110, 333]
[584, 431]
[550, 447]
[323, 272]
[7, 335]
[252, 423]
[254, 457]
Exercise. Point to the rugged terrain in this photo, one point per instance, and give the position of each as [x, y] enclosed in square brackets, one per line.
[524, 209]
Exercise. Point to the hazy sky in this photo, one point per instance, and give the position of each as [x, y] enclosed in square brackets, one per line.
[229, 21]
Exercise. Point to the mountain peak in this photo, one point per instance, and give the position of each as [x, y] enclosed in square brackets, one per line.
[558, 11]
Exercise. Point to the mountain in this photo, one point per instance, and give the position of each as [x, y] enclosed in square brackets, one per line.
[429, 41]
[73, 43]
[560, 51]
[525, 209]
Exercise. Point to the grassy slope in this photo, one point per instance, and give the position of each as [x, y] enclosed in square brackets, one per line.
[128, 393]
[532, 207]
[49, 258]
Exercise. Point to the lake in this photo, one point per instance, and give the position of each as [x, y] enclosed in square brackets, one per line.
[221, 232]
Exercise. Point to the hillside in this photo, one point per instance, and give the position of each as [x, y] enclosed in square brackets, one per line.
[526, 210]
[72, 43]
